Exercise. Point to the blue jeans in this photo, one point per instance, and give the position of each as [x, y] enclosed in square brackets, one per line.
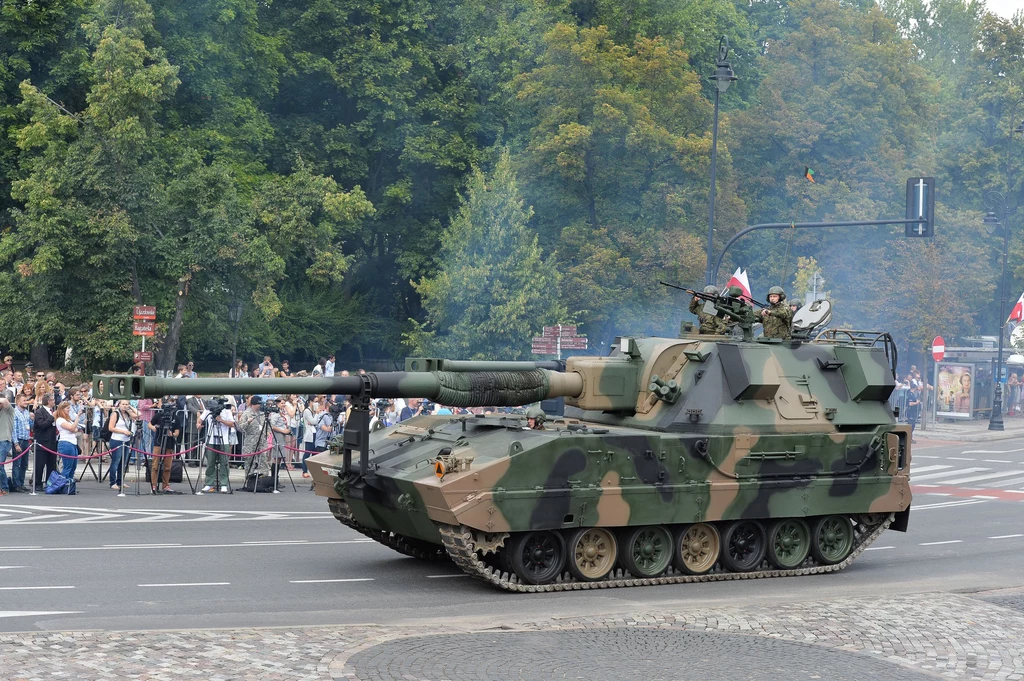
[68, 450]
[20, 467]
[117, 452]
[147, 442]
[5, 450]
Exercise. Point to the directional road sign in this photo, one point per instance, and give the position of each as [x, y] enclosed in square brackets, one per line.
[143, 328]
[144, 312]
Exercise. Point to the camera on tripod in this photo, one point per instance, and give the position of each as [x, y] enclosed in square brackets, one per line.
[169, 411]
[216, 406]
[270, 408]
[336, 408]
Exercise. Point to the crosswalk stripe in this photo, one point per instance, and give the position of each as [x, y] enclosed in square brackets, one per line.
[986, 476]
[924, 469]
[945, 474]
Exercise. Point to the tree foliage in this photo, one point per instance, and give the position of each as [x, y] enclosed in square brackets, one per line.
[494, 289]
[333, 165]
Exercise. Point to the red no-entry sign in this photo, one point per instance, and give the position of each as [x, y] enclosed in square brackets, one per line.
[938, 349]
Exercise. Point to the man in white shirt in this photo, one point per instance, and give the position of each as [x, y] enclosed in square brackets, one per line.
[219, 437]
[329, 367]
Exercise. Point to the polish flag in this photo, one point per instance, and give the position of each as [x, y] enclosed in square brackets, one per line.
[739, 278]
[1017, 313]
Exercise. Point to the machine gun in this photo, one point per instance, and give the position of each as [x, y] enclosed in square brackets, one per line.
[732, 306]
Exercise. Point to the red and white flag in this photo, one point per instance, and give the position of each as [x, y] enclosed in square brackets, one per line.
[739, 278]
[1017, 313]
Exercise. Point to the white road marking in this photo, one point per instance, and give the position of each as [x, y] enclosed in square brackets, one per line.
[945, 474]
[997, 461]
[924, 456]
[879, 548]
[991, 451]
[279, 541]
[986, 476]
[191, 584]
[1007, 536]
[938, 543]
[32, 588]
[136, 546]
[959, 458]
[948, 504]
[445, 576]
[925, 469]
[11, 567]
[37, 613]
[327, 581]
[1009, 483]
[169, 546]
[44, 515]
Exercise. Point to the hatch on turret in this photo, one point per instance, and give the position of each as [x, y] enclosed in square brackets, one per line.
[751, 371]
[866, 372]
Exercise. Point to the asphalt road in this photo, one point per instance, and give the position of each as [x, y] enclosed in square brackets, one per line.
[96, 561]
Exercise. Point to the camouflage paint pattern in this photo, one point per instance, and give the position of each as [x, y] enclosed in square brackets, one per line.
[662, 431]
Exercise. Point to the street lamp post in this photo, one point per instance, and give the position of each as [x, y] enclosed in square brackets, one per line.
[992, 222]
[235, 315]
[723, 78]
[995, 200]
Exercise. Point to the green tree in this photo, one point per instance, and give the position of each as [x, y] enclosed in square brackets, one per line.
[494, 289]
[617, 154]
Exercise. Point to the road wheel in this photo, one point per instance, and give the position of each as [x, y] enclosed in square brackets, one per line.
[697, 548]
[789, 540]
[647, 551]
[592, 552]
[831, 539]
[743, 545]
[538, 557]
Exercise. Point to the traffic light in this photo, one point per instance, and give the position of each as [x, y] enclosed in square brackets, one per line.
[921, 206]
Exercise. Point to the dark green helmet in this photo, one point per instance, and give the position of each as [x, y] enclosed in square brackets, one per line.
[777, 290]
[711, 289]
[536, 413]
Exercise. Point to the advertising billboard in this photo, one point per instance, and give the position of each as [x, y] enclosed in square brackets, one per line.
[954, 391]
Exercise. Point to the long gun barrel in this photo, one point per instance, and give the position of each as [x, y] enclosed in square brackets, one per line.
[462, 387]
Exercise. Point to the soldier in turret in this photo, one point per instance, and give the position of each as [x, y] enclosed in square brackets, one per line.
[777, 318]
[709, 324]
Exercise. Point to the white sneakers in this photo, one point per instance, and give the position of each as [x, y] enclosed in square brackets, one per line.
[207, 488]
[224, 490]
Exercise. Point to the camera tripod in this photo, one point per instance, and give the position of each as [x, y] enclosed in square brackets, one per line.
[275, 465]
[156, 475]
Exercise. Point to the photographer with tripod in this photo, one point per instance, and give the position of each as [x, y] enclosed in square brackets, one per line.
[253, 425]
[166, 428]
[218, 420]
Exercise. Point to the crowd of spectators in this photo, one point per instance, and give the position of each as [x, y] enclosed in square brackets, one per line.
[67, 424]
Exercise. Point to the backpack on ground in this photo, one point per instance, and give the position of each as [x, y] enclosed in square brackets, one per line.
[58, 484]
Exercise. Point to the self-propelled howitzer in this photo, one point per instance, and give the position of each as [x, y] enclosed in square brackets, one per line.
[676, 460]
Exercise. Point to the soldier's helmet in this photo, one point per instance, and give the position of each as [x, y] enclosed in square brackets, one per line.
[711, 289]
[777, 290]
[536, 413]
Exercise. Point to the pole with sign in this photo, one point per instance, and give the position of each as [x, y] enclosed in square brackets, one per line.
[556, 338]
[144, 325]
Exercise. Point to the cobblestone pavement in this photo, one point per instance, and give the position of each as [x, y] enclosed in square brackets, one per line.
[909, 637]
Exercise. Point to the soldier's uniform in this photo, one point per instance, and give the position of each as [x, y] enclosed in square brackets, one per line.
[708, 323]
[777, 318]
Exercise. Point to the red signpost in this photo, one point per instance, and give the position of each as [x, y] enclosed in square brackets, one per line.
[938, 349]
[144, 324]
[144, 312]
[557, 338]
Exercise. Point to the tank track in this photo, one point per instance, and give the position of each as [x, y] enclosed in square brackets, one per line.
[405, 545]
[458, 542]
